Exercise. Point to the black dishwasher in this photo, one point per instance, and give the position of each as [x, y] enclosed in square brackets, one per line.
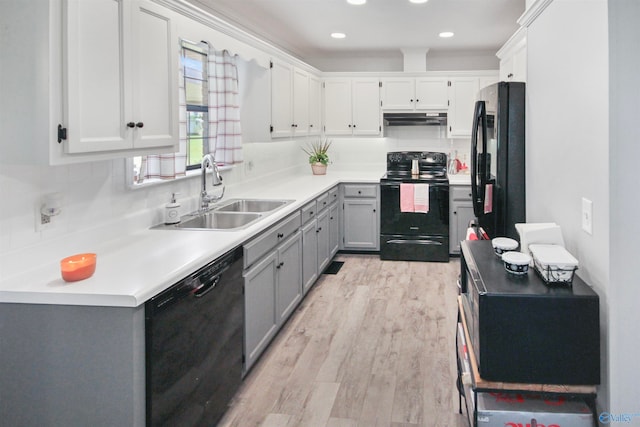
[194, 345]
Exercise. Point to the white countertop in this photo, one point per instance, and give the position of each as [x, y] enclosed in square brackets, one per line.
[139, 264]
[460, 179]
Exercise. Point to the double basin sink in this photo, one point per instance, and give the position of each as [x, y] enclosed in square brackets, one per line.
[232, 214]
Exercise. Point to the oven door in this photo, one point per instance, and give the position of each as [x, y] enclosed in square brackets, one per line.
[433, 223]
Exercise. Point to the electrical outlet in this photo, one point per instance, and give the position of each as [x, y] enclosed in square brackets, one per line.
[43, 222]
[587, 215]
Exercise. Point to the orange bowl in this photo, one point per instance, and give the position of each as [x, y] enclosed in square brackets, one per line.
[78, 267]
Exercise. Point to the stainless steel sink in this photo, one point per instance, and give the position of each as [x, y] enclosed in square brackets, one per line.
[251, 205]
[233, 214]
[213, 220]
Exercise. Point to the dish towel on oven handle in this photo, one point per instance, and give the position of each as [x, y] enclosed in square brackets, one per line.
[421, 198]
[414, 197]
[406, 197]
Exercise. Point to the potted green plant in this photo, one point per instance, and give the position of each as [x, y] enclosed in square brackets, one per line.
[318, 157]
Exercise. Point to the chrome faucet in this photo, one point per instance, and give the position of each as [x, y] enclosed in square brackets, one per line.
[216, 180]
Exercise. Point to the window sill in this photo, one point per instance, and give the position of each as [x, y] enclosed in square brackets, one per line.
[152, 182]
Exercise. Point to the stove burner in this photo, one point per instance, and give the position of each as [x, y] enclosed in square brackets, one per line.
[432, 166]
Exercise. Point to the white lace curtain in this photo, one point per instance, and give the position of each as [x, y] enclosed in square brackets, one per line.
[225, 138]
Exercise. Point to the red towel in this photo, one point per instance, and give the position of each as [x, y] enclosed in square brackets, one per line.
[406, 198]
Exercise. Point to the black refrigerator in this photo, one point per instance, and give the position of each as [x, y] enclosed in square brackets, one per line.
[498, 158]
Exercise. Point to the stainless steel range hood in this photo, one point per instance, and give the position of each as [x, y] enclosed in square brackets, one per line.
[415, 119]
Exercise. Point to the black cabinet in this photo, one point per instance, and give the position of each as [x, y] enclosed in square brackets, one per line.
[524, 330]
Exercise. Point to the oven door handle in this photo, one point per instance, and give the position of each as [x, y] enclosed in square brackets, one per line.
[414, 241]
[431, 185]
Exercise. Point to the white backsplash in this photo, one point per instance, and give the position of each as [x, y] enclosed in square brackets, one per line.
[96, 195]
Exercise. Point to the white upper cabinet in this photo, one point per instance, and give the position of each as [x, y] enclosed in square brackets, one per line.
[337, 107]
[282, 121]
[315, 102]
[414, 94]
[120, 77]
[398, 93]
[462, 96]
[365, 105]
[295, 101]
[352, 106]
[513, 58]
[432, 93]
[300, 101]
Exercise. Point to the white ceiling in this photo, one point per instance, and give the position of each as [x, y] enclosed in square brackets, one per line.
[377, 28]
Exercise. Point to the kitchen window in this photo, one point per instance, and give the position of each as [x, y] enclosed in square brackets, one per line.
[209, 116]
[194, 65]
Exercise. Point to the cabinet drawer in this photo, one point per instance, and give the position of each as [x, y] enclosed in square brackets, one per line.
[459, 192]
[333, 195]
[262, 244]
[323, 201]
[360, 190]
[308, 211]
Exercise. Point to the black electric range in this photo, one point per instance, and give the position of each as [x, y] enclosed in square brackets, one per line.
[420, 234]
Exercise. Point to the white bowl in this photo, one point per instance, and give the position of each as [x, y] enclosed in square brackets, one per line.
[503, 244]
[516, 262]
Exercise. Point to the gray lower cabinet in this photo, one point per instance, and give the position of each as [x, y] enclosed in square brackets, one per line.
[289, 277]
[272, 284]
[70, 365]
[261, 320]
[361, 217]
[323, 240]
[320, 236]
[334, 229]
[460, 214]
[309, 255]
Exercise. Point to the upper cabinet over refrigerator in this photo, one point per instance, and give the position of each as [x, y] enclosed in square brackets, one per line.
[498, 158]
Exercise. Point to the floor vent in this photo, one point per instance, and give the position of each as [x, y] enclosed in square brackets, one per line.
[334, 267]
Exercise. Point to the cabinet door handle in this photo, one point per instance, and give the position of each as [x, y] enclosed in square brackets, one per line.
[280, 235]
[280, 265]
[374, 210]
[411, 100]
[417, 100]
[139, 124]
[318, 230]
[455, 213]
[131, 125]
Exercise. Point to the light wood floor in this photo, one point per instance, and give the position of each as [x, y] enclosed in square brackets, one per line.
[373, 345]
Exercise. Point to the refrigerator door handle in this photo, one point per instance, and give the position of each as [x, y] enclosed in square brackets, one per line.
[477, 185]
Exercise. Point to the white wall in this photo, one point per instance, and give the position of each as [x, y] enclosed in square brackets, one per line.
[568, 139]
[624, 152]
[435, 61]
[353, 153]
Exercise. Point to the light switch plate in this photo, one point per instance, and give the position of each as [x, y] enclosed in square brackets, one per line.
[587, 215]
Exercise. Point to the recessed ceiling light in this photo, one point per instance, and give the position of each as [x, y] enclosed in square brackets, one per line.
[338, 35]
[356, 2]
[418, 1]
[446, 34]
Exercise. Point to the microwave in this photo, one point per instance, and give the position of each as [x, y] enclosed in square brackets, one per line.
[523, 330]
